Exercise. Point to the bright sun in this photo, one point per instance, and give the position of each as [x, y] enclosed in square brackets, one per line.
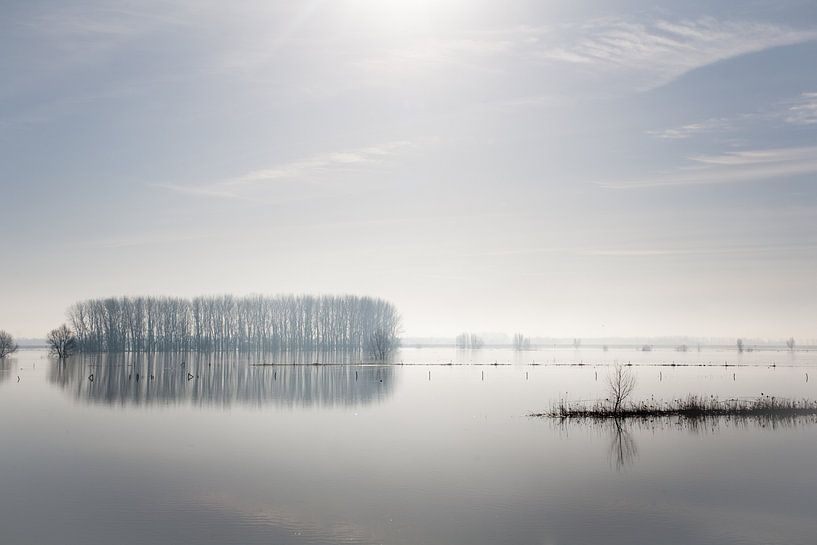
[405, 13]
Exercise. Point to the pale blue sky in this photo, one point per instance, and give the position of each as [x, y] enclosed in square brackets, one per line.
[559, 168]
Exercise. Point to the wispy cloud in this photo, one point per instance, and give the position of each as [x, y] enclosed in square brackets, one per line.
[732, 167]
[681, 248]
[803, 110]
[712, 125]
[800, 110]
[325, 167]
[85, 29]
[640, 54]
[131, 241]
[659, 52]
[755, 157]
[735, 250]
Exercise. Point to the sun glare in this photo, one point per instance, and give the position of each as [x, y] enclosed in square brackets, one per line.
[405, 13]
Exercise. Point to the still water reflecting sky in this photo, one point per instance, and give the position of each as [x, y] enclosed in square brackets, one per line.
[411, 454]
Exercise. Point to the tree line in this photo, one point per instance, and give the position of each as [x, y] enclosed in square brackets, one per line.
[469, 341]
[226, 323]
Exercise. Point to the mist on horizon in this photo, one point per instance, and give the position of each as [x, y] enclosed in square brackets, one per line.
[589, 169]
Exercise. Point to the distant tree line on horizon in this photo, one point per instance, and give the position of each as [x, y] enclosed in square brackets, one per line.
[226, 323]
[469, 341]
[521, 342]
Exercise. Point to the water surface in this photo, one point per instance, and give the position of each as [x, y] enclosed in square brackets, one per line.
[434, 451]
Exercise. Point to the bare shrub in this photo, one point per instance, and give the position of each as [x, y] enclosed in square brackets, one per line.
[620, 385]
[7, 344]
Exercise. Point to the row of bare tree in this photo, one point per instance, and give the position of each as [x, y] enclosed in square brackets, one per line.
[61, 341]
[790, 344]
[236, 324]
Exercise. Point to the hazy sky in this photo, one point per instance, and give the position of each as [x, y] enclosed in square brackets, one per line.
[560, 168]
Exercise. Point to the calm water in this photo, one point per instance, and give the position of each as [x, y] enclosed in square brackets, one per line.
[219, 451]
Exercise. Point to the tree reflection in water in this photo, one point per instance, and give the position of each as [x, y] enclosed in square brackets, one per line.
[5, 368]
[622, 450]
[223, 380]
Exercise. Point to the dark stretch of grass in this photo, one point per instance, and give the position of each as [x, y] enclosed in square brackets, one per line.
[693, 407]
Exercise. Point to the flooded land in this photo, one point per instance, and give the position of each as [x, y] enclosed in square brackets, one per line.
[435, 447]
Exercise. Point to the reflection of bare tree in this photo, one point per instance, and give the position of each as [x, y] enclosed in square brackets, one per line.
[219, 380]
[5, 369]
[623, 449]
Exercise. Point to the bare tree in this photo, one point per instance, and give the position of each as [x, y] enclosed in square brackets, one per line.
[469, 341]
[520, 342]
[7, 344]
[476, 342]
[381, 344]
[739, 344]
[790, 343]
[620, 385]
[62, 342]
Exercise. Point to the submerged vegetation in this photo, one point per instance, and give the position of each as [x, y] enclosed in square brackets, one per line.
[692, 407]
[236, 324]
[621, 383]
[62, 342]
[7, 344]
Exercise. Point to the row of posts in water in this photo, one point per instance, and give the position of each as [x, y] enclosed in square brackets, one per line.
[190, 376]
